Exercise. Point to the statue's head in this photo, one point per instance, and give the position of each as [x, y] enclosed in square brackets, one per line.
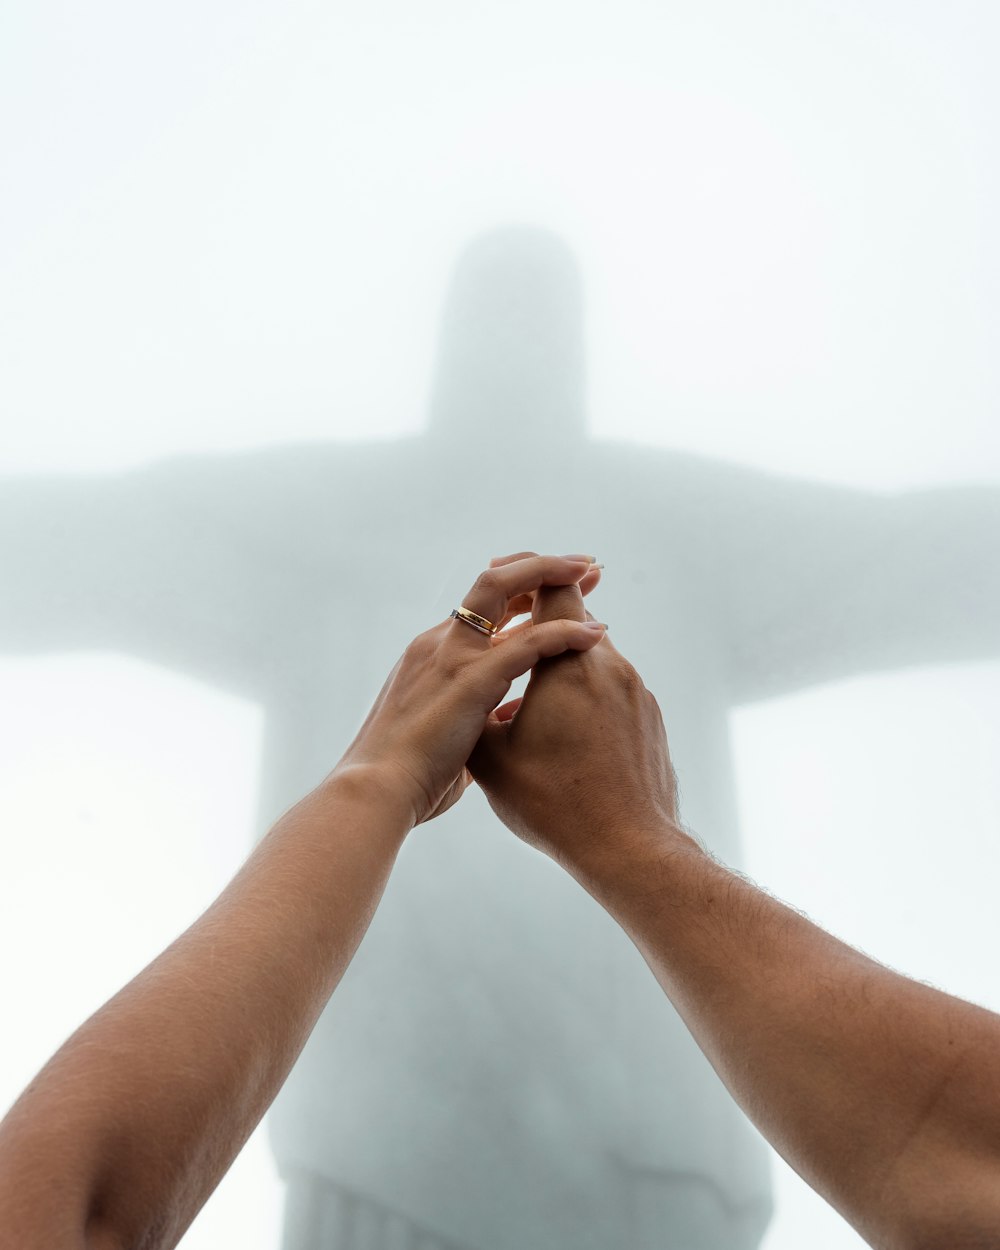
[510, 354]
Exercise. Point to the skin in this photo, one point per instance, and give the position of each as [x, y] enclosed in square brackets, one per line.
[123, 1135]
[883, 1093]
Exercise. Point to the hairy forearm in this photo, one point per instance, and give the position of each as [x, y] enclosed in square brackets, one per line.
[135, 1120]
[884, 1094]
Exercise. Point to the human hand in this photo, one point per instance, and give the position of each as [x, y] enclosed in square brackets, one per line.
[429, 714]
[579, 766]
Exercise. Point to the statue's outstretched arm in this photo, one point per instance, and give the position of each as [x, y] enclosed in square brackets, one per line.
[175, 564]
[817, 583]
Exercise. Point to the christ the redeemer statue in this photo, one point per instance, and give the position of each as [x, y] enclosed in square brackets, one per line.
[499, 1070]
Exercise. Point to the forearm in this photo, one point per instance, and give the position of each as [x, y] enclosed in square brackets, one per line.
[883, 1093]
[138, 1116]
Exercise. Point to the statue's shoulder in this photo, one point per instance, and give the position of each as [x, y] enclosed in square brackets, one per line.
[294, 479]
[663, 477]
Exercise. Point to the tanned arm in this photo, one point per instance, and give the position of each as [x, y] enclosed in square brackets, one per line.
[884, 1094]
[126, 1131]
[121, 1138]
[881, 1092]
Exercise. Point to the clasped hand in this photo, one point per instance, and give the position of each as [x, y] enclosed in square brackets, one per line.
[582, 754]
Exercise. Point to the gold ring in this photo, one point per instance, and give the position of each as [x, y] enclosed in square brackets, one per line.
[476, 621]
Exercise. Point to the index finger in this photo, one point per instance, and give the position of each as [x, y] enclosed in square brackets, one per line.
[495, 587]
[525, 604]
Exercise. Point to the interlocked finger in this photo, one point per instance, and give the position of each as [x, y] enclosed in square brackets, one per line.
[554, 603]
[524, 605]
[489, 601]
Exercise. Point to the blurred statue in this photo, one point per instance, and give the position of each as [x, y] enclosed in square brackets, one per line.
[499, 1070]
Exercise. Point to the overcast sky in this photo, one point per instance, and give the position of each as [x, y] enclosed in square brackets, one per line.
[228, 225]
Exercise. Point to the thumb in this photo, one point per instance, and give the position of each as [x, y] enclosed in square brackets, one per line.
[482, 763]
[507, 711]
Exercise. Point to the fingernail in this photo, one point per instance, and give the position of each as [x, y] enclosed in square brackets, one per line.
[595, 625]
[589, 559]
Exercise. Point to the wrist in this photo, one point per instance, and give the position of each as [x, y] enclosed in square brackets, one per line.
[640, 861]
[368, 789]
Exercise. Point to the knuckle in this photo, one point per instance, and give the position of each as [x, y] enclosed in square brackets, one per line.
[488, 581]
[424, 645]
[630, 681]
[414, 657]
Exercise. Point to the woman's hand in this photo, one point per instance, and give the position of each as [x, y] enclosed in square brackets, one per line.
[435, 703]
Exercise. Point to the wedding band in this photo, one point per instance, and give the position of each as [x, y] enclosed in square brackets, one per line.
[476, 621]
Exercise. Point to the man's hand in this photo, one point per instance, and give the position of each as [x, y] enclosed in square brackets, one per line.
[579, 766]
[883, 1093]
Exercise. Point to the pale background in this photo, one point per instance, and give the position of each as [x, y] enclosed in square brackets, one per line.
[232, 225]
